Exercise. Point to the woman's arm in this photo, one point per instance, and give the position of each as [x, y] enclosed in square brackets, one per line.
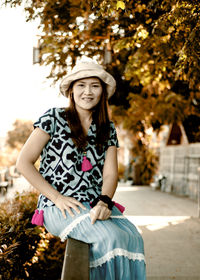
[110, 178]
[110, 172]
[27, 158]
[25, 165]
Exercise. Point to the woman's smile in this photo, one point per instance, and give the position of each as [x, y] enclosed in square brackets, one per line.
[87, 99]
[87, 93]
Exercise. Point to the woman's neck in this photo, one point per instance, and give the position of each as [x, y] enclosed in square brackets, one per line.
[85, 117]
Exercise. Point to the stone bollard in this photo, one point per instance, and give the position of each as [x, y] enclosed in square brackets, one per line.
[199, 193]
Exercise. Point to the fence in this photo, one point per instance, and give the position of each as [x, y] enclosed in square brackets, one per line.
[180, 165]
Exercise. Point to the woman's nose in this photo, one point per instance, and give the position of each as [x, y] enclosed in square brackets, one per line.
[87, 90]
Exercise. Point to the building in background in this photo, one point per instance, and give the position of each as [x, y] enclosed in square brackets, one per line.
[180, 159]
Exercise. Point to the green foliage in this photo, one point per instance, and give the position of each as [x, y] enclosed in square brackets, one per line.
[120, 5]
[146, 165]
[155, 49]
[153, 44]
[26, 251]
[146, 111]
[151, 41]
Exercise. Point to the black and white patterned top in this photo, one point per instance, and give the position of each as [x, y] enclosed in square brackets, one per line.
[61, 160]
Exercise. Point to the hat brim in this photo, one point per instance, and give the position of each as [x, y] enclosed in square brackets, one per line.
[87, 73]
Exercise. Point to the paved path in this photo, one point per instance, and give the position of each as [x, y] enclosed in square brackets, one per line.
[170, 229]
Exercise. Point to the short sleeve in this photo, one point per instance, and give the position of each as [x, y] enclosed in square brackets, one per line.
[113, 140]
[46, 122]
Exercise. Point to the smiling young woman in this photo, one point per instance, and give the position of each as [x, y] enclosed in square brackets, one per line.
[87, 93]
[78, 176]
[98, 113]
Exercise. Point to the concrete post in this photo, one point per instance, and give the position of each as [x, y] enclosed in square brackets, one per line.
[199, 193]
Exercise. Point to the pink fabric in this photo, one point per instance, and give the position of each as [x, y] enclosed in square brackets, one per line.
[120, 207]
[34, 218]
[86, 165]
[38, 218]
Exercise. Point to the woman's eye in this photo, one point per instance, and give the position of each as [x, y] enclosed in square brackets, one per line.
[96, 86]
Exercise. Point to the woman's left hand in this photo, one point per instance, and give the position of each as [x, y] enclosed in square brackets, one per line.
[100, 212]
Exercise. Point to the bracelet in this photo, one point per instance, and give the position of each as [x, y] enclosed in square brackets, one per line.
[106, 199]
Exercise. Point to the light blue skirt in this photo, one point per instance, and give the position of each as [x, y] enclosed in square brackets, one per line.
[116, 246]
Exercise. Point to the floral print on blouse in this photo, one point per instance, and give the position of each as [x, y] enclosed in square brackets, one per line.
[61, 160]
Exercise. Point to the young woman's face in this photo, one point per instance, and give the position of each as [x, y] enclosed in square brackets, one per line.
[87, 93]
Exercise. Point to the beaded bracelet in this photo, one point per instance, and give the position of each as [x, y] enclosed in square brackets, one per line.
[106, 199]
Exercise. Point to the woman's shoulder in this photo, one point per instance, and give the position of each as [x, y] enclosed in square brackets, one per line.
[112, 125]
[56, 115]
[60, 115]
[113, 140]
[56, 110]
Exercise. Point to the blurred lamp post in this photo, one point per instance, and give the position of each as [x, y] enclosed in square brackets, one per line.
[107, 53]
[36, 53]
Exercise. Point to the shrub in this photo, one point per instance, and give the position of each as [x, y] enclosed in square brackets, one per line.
[27, 251]
[145, 167]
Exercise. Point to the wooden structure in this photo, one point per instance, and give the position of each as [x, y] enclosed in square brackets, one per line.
[76, 261]
[179, 162]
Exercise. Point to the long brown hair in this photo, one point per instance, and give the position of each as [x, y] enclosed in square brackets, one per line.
[100, 117]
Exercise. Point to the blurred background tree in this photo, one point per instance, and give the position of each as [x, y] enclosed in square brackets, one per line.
[151, 47]
[19, 134]
[15, 139]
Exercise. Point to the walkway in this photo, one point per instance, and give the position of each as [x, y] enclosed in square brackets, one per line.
[170, 229]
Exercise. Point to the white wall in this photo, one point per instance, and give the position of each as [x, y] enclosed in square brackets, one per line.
[180, 163]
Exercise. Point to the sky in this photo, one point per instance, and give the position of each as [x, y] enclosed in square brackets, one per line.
[25, 93]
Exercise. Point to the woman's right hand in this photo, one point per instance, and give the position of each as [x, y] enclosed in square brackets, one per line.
[68, 203]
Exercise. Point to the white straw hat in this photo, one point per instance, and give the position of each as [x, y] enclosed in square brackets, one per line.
[86, 69]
